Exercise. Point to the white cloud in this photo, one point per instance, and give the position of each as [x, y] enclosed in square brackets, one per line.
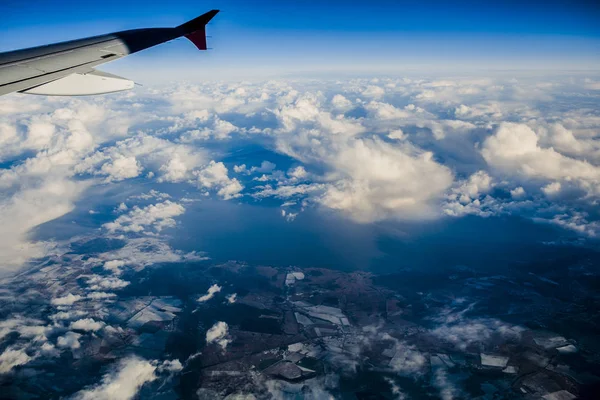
[123, 383]
[157, 216]
[11, 358]
[69, 340]
[101, 295]
[218, 334]
[517, 192]
[87, 324]
[214, 289]
[381, 181]
[114, 266]
[552, 188]
[407, 361]
[341, 103]
[66, 300]
[97, 282]
[231, 298]
[141, 252]
[214, 176]
[28, 328]
[515, 149]
[121, 168]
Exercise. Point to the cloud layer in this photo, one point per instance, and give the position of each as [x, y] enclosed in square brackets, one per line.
[368, 149]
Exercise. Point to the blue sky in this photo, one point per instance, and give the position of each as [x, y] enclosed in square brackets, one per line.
[275, 36]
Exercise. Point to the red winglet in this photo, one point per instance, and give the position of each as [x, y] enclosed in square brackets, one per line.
[195, 30]
[198, 38]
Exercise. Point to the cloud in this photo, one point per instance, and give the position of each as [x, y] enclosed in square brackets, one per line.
[87, 324]
[376, 149]
[214, 289]
[98, 282]
[69, 340]
[123, 383]
[407, 361]
[381, 181]
[517, 193]
[515, 149]
[171, 162]
[461, 331]
[121, 168]
[11, 358]
[141, 252]
[28, 328]
[218, 334]
[552, 188]
[114, 266]
[231, 298]
[67, 300]
[214, 176]
[156, 216]
[101, 295]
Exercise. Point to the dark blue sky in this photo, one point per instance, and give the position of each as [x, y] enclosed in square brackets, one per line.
[328, 34]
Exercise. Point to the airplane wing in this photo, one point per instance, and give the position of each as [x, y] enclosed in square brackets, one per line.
[67, 68]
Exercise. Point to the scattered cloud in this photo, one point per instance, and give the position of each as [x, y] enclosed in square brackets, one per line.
[123, 383]
[218, 334]
[214, 289]
[155, 216]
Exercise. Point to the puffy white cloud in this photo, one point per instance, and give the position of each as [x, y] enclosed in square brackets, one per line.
[141, 252]
[28, 328]
[101, 295]
[231, 298]
[461, 331]
[214, 289]
[407, 361]
[341, 103]
[552, 188]
[381, 181]
[87, 324]
[467, 196]
[67, 300]
[69, 340]
[97, 282]
[114, 266]
[157, 216]
[11, 358]
[121, 168]
[214, 176]
[218, 334]
[123, 383]
[128, 158]
[517, 192]
[514, 149]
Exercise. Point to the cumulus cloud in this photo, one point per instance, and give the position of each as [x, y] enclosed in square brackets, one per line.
[171, 162]
[218, 334]
[515, 149]
[66, 300]
[123, 383]
[381, 181]
[461, 331]
[11, 358]
[375, 149]
[155, 216]
[98, 282]
[29, 328]
[114, 266]
[87, 324]
[69, 340]
[215, 176]
[231, 298]
[214, 289]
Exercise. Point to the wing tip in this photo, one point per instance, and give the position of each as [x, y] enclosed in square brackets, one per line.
[198, 23]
